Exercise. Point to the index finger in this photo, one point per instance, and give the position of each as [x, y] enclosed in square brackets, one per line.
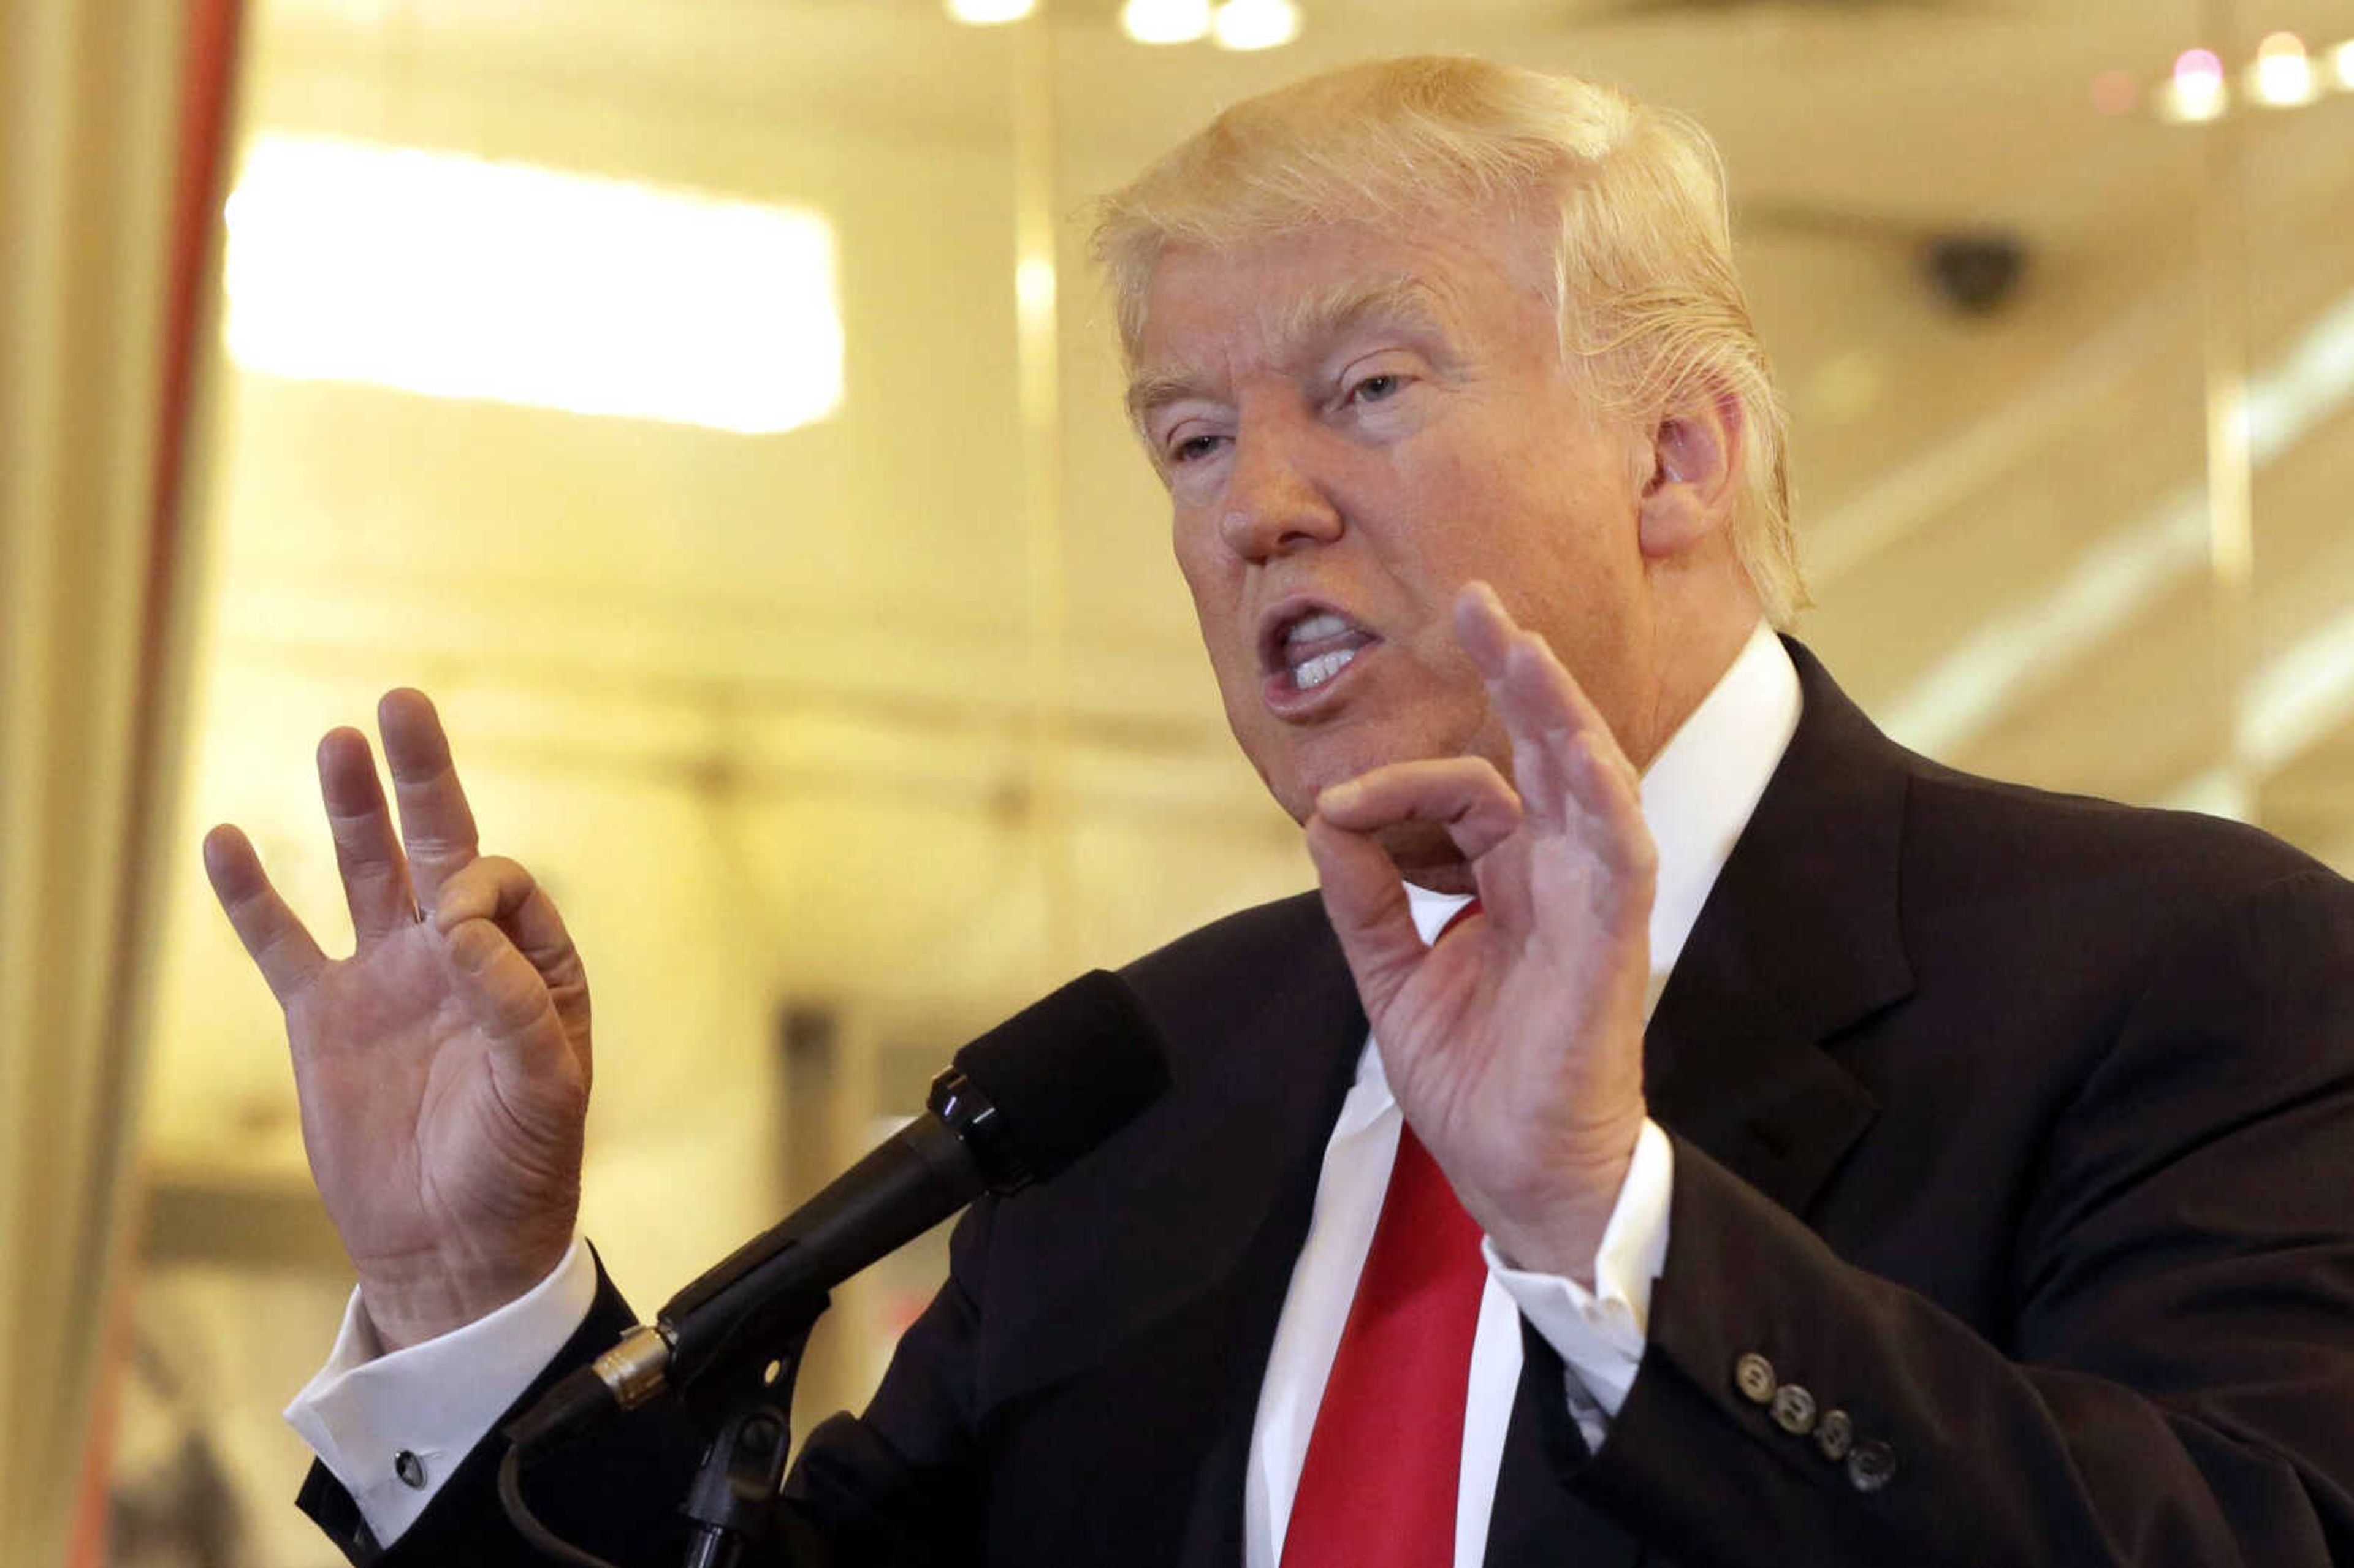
[1547, 714]
[436, 823]
[272, 934]
[1547, 697]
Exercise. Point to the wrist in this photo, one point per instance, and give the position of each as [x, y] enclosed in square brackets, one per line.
[1557, 1225]
[421, 1301]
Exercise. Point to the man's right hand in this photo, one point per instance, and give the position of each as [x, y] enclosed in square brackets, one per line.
[443, 1068]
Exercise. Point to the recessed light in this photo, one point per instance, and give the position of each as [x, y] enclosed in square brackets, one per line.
[1256, 24]
[2197, 91]
[990, 13]
[1165, 21]
[2282, 76]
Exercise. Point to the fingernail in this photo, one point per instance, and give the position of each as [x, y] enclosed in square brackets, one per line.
[1340, 796]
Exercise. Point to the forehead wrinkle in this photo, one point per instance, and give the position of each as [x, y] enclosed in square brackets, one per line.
[1298, 329]
[1301, 326]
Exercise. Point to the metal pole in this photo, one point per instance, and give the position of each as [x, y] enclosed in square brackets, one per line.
[2230, 481]
[1036, 291]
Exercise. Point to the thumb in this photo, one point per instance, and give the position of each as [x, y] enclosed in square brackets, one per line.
[497, 890]
[501, 989]
[1365, 899]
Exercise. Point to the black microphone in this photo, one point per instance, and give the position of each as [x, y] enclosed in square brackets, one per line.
[1017, 1104]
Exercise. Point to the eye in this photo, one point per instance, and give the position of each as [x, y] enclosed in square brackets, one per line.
[1373, 388]
[1194, 448]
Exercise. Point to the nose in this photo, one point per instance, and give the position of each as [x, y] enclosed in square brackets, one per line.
[1275, 499]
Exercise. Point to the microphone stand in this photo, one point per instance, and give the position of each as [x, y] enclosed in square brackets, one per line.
[743, 1396]
[748, 1408]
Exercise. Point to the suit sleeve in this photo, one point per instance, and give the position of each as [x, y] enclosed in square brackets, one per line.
[892, 1489]
[611, 1494]
[2174, 1383]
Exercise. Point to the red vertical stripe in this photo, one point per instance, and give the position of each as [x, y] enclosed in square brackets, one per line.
[208, 88]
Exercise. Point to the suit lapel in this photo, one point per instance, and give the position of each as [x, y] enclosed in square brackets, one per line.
[1326, 1032]
[1173, 1208]
[1194, 1215]
[1800, 939]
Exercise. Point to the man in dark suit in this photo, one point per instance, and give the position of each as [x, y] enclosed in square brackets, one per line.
[1874, 1164]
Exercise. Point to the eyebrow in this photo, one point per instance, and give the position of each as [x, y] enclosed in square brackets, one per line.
[1403, 300]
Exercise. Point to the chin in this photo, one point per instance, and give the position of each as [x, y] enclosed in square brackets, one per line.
[1304, 771]
[1297, 782]
[1297, 763]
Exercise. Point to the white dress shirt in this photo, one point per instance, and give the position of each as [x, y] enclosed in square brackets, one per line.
[435, 1401]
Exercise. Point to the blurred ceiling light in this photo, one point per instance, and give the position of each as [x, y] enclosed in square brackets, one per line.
[2196, 91]
[1256, 24]
[453, 277]
[990, 13]
[2341, 64]
[2282, 76]
[1165, 21]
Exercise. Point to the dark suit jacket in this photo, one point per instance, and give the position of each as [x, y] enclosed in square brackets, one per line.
[2018, 1129]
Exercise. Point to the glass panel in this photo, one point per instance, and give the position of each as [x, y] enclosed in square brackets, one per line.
[836, 742]
[2297, 265]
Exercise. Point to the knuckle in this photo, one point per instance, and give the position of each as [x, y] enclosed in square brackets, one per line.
[353, 822]
[517, 1007]
[440, 845]
[369, 873]
[504, 870]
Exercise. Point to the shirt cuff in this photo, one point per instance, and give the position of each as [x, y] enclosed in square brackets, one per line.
[393, 1427]
[1600, 1334]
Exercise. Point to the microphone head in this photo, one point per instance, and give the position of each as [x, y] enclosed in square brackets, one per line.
[1064, 1074]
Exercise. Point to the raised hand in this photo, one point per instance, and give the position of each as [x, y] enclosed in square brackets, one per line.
[1515, 1044]
[443, 1068]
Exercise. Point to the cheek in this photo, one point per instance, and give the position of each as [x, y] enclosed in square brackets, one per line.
[1212, 574]
[1189, 534]
[1215, 581]
[1459, 497]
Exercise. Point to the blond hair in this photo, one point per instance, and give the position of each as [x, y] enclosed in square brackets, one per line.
[1651, 311]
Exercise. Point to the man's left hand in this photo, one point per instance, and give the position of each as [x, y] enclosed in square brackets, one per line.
[1515, 1044]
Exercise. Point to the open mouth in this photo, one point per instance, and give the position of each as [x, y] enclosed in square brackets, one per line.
[1306, 649]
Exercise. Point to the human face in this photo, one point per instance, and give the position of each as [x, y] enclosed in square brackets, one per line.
[1352, 424]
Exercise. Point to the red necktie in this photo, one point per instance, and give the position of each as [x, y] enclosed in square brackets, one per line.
[1378, 1486]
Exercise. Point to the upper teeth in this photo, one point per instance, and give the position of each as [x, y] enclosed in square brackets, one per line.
[1323, 623]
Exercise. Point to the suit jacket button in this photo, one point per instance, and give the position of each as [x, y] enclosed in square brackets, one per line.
[1753, 1375]
[1835, 1435]
[1794, 1409]
[1870, 1465]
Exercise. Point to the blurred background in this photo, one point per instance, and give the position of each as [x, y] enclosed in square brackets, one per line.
[708, 402]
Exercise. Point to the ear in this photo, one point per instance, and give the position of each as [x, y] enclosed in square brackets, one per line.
[1695, 480]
